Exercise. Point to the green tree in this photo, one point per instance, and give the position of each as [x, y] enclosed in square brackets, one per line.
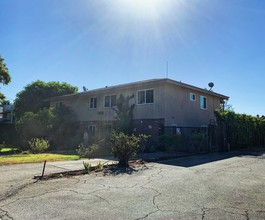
[124, 111]
[5, 102]
[55, 125]
[34, 96]
[225, 106]
[35, 125]
[64, 127]
[4, 75]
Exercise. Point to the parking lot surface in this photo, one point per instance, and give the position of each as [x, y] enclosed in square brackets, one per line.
[212, 186]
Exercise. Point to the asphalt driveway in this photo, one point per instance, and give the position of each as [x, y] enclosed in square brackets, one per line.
[214, 186]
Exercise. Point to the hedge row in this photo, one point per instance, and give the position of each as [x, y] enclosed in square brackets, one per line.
[242, 130]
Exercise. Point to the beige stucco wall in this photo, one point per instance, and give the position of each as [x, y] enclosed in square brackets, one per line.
[181, 111]
[80, 104]
[171, 103]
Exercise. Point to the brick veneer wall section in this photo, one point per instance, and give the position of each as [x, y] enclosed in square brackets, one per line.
[152, 127]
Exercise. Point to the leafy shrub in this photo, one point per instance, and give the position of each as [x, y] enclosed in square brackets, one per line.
[87, 167]
[198, 140]
[33, 125]
[38, 145]
[58, 125]
[73, 141]
[94, 148]
[86, 152]
[169, 142]
[103, 147]
[125, 146]
[64, 130]
[8, 135]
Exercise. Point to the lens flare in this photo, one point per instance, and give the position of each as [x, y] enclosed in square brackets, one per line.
[149, 9]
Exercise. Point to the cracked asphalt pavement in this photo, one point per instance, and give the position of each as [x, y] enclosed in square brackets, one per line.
[213, 186]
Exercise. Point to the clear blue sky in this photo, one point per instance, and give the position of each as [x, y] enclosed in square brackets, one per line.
[95, 43]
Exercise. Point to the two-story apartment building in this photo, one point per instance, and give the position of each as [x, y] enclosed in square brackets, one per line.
[158, 103]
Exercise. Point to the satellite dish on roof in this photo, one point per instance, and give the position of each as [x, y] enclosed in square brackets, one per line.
[84, 89]
[211, 85]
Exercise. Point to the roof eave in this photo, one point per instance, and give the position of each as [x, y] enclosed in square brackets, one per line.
[57, 98]
[197, 89]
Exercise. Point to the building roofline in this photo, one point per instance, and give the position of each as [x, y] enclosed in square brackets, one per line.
[126, 85]
[181, 84]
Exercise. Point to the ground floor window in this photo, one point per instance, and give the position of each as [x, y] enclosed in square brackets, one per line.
[108, 129]
[92, 130]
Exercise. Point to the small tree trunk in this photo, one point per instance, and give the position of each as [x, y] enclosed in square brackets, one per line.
[123, 162]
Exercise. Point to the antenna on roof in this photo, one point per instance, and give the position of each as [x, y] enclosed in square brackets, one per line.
[84, 89]
[167, 70]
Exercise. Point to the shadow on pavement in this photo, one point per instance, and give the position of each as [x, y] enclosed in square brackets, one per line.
[134, 167]
[117, 171]
[197, 160]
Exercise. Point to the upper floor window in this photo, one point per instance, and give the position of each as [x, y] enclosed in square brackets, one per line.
[146, 96]
[203, 102]
[192, 97]
[110, 101]
[93, 103]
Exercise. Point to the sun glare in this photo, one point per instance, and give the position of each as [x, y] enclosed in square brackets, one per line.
[150, 9]
[142, 6]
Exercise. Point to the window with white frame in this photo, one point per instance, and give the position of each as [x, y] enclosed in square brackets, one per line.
[203, 102]
[110, 101]
[145, 96]
[192, 96]
[93, 103]
[141, 97]
[113, 100]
